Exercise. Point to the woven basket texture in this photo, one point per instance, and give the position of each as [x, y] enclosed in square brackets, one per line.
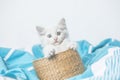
[62, 66]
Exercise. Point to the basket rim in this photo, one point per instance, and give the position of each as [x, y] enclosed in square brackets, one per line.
[55, 54]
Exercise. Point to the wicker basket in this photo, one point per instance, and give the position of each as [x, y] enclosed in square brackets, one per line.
[63, 65]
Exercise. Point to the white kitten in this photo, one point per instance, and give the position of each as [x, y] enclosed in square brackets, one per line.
[55, 39]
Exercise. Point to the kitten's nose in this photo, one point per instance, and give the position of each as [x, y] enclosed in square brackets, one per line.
[55, 39]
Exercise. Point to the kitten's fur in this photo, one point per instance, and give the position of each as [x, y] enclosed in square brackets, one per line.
[55, 40]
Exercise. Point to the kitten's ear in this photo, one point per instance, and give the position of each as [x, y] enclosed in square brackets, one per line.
[40, 30]
[62, 24]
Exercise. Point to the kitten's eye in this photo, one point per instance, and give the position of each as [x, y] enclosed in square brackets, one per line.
[49, 35]
[58, 33]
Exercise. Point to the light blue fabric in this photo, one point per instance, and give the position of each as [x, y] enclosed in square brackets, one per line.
[37, 51]
[97, 53]
[17, 64]
[19, 61]
[3, 67]
[111, 72]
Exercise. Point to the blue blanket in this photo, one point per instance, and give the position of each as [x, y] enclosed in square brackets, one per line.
[17, 64]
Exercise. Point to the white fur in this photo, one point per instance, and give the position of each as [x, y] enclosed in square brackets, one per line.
[55, 43]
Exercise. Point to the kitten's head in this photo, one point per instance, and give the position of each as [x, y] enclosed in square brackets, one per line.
[54, 35]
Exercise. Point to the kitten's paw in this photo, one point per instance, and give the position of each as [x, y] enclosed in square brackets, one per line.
[49, 51]
[72, 45]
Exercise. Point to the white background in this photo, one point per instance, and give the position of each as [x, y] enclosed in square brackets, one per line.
[92, 20]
